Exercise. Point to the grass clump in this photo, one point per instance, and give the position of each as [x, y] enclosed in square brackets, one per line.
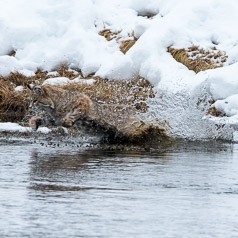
[124, 43]
[131, 93]
[112, 94]
[198, 59]
[216, 113]
[118, 104]
[13, 104]
[19, 79]
[108, 34]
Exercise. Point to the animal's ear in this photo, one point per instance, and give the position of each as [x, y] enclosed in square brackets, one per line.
[30, 86]
[36, 89]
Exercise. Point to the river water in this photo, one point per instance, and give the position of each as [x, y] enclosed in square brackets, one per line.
[180, 190]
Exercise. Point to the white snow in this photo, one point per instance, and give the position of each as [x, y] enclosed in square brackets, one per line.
[13, 127]
[9, 64]
[57, 81]
[26, 72]
[44, 130]
[229, 106]
[83, 81]
[19, 88]
[45, 34]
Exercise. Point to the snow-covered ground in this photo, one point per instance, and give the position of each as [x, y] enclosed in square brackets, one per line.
[47, 33]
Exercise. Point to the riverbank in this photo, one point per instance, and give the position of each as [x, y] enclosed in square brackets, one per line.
[146, 57]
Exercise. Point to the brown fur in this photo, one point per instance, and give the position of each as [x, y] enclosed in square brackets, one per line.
[64, 106]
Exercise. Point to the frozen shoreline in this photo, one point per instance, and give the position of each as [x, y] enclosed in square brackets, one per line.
[45, 35]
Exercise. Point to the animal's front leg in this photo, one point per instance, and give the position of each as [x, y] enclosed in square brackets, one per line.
[41, 119]
[35, 122]
[71, 118]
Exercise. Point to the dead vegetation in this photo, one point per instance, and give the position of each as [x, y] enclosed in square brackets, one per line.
[119, 103]
[64, 71]
[108, 34]
[13, 104]
[131, 93]
[216, 113]
[19, 79]
[198, 59]
[117, 99]
[124, 43]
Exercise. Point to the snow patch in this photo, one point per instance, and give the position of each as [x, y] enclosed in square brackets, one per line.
[48, 34]
[57, 81]
[19, 88]
[9, 64]
[13, 127]
[44, 130]
[83, 81]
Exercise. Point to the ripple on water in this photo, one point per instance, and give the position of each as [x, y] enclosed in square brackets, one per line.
[180, 190]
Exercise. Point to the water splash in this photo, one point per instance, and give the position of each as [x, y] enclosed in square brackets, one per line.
[182, 115]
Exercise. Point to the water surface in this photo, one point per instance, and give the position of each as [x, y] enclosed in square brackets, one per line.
[187, 190]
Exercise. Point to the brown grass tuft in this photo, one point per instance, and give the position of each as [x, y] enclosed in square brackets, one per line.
[132, 93]
[214, 112]
[118, 102]
[64, 71]
[108, 34]
[13, 105]
[125, 45]
[197, 59]
[18, 79]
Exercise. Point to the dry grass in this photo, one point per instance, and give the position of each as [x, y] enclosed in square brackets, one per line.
[139, 132]
[19, 79]
[132, 93]
[124, 44]
[63, 71]
[13, 105]
[108, 34]
[197, 59]
[118, 105]
[118, 102]
[214, 112]
[127, 44]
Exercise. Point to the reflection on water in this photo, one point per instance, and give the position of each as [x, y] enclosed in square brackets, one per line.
[184, 190]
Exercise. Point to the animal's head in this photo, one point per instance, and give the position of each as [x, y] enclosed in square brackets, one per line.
[39, 97]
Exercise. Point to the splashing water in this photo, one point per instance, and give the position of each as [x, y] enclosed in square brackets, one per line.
[182, 115]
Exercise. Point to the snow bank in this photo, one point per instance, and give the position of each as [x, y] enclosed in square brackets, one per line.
[13, 127]
[229, 106]
[45, 34]
[57, 81]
